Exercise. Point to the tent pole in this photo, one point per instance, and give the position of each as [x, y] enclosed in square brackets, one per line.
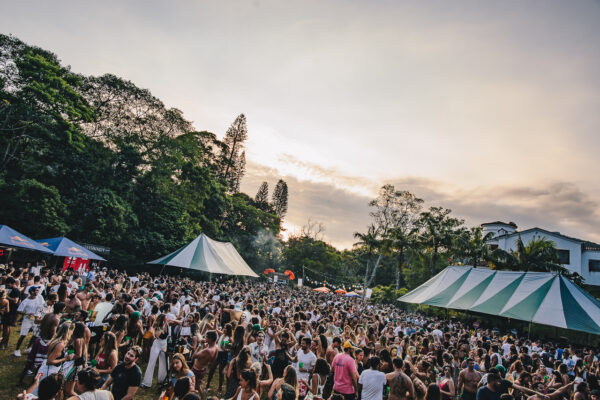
[529, 331]
[163, 267]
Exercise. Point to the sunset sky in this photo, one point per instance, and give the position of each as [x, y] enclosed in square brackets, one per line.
[489, 108]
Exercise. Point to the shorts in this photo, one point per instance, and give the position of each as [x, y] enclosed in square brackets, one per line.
[10, 319]
[468, 395]
[351, 396]
[199, 374]
[27, 325]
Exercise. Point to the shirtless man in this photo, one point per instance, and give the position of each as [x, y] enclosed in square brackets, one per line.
[85, 296]
[401, 387]
[468, 379]
[333, 350]
[205, 357]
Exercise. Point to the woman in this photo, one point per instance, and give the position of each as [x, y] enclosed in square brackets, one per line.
[77, 345]
[135, 327]
[265, 377]
[158, 351]
[234, 373]
[56, 349]
[207, 324]
[238, 341]
[149, 331]
[447, 384]
[289, 377]
[317, 381]
[120, 330]
[180, 369]
[516, 369]
[386, 361]
[247, 388]
[108, 357]
[87, 381]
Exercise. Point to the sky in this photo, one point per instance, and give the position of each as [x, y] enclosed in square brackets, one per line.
[487, 108]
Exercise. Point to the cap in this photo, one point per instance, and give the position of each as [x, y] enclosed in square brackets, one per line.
[33, 288]
[349, 345]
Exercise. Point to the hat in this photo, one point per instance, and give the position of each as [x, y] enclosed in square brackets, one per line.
[33, 288]
[153, 300]
[349, 345]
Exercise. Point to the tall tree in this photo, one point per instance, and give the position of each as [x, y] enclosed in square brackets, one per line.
[233, 159]
[262, 196]
[280, 198]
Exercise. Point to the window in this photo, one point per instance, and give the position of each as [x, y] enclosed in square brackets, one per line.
[493, 246]
[564, 256]
[594, 265]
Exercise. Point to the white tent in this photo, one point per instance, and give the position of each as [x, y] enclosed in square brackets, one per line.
[205, 254]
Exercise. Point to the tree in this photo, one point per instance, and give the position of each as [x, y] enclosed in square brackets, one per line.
[539, 254]
[262, 196]
[313, 229]
[233, 158]
[438, 231]
[280, 198]
[472, 246]
[373, 249]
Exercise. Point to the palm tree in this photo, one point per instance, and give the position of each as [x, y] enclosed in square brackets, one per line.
[371, 242]
[472, 246]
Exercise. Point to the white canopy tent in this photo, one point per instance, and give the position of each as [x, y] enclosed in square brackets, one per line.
[205, 254]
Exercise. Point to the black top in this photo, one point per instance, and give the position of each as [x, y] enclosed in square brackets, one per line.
[124, 378]
[484, 393]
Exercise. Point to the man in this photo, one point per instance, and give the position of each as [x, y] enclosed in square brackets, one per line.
[491, 391]
[29, 308]
[258, 349]
[85, 296]
[467, 381]
[126, 377]
[372, 381]
[401, 387]
[345, 381]
[204, 358]
[306, 361]
[333, 350]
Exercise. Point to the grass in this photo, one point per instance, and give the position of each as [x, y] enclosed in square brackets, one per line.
[11, 367]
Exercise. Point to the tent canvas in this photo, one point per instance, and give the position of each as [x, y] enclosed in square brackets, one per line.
[11, 238]
[64, 247]
[539, 297]
[205, 254]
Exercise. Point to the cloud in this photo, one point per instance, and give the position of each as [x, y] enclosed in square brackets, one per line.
[338, 202]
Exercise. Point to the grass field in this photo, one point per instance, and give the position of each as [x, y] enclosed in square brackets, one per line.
[11, 367]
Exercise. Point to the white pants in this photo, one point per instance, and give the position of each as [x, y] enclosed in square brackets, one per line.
[159, 346]
[27, 324]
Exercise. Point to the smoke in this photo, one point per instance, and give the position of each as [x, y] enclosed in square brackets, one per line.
[268, 248]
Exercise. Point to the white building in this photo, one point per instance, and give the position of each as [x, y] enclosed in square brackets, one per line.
[577, 255]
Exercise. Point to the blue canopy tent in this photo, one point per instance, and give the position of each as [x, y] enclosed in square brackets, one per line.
[11, 238]
[64, 247]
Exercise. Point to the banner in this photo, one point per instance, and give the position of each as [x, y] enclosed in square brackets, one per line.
[81, 265]
[299, 282]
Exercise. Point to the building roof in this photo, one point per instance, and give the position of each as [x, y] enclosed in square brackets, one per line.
[587, 245]
[500, 223]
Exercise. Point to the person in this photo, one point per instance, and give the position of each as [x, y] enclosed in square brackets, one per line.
[126, 377]
[29, 308]
[258, 349]
[286, 392]
[318, 379]
[372, 381]
[306, 360]
[203, 358]
[9, 318]
[107, 357]
[247, 388]
[447, 384]
[345, 379]
[180, 369]
[468, 380]
[158, 352]
[289, 377]
[56, 349]
[87, 381]
[183, 387]
[401, 386]
[47, 388]
[491, 391]
[433, 392]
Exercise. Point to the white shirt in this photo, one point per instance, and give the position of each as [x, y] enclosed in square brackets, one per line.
[308, 361]
[372, 382]
[256, 350]
[29, 306]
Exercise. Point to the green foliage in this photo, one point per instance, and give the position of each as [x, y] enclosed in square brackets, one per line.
[102, 161]
[387, 294]
[314, 254]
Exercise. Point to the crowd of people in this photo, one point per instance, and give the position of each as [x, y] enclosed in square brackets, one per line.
[105, 335]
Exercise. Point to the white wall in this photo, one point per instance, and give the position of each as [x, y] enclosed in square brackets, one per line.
[591, 278]
[510, 243]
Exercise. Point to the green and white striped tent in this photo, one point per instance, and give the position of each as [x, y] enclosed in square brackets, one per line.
[205, 254]
[539, 297]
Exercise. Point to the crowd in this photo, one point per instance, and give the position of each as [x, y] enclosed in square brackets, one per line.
[87, 337]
